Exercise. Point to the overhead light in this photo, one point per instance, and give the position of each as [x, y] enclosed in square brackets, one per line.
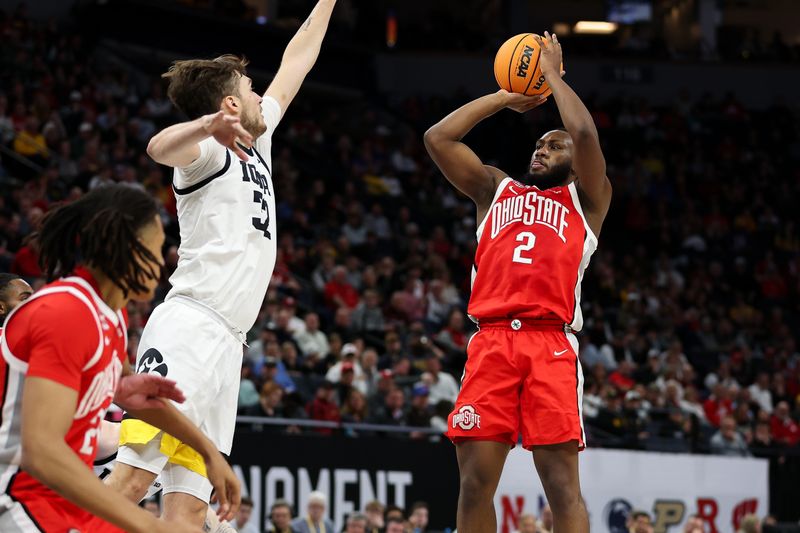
[595, 26]
[562, 28]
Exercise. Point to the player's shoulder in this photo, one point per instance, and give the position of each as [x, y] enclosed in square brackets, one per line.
[57, 307]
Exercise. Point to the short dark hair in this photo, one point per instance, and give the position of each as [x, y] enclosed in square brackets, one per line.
[281, 503]
[5, 280]
[639, 513]
[197, 86]
[100, 229]
[418, 505]
[246, 501]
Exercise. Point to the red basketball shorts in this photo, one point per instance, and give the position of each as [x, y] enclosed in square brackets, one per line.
[522, 377]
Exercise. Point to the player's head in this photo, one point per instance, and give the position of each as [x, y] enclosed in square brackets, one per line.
[114, 229]
[551, 162]
[203, 86]
[13, 291]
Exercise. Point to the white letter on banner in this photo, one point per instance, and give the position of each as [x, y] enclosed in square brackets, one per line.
[305, 488]
[343, 507]
[400, 480]
[381, 483]
[366, 492]
[275, 475]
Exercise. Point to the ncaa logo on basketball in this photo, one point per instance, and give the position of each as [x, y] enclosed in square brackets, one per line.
[466, 418]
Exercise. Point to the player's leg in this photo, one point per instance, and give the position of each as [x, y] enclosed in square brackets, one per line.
[187, 489]
[136, 468]
[480, 464]
[557, 465]
[551, 423]
[484, 425]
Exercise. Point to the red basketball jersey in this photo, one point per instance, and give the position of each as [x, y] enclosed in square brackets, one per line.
[67, 334]
[533, 247]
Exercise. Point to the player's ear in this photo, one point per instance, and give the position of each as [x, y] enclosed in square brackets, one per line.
[231, 104]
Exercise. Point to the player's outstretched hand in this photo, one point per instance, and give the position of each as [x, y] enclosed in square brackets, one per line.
[144, 391]
[519, 102]
[227, 489]
[551, 59]
[226, 130]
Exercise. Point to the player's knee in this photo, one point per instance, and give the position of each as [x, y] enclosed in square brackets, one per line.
[564, 499]
[130, 482]
[475, 487]
[184, 508]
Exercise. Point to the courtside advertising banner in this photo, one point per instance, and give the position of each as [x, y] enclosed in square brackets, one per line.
[670, 487]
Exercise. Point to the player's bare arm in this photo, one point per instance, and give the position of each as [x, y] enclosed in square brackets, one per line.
[459, 164]
[172, 421]
[300, 55]
[48, 409]
[587, 160]
[178, 145]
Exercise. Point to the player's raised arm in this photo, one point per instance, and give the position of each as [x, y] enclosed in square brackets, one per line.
[587, 160]
[300, 55]
[460, 165]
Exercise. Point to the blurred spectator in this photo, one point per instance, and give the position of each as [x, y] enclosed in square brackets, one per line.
[367, 317]
[441, 385]
[419, 415]
[339, 292]
[314, 520]
[694, 524]
[323, 407]
[760, 392]
[527, 524]
[356, 523]
[312, 342]
[546, 520]
[374, 512]
[269, 401]
[728, 440]
[640, 522]
[418, 519]
[242, 522]
[784, 429]
[395, 525]
[280, 517]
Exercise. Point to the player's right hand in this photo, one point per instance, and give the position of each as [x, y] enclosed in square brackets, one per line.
[519, 102]
[228, 490]
[226, 130]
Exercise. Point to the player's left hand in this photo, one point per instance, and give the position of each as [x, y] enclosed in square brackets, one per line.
[227, 489]
[145, 391]
[551, 58]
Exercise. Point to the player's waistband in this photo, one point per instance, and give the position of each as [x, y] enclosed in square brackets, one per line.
[240, 335]
[525, 324]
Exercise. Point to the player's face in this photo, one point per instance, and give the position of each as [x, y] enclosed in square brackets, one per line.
[152, 237]
[251, 117]
[17, 292]
[551, 162]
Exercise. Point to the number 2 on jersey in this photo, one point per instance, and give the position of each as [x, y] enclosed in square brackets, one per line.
[529, 240]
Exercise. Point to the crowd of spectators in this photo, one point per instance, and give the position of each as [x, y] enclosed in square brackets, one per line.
[691, 301]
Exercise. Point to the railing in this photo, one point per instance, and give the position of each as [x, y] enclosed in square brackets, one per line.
[324, 424]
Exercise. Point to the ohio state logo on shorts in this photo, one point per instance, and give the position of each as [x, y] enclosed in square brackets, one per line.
[466, 418]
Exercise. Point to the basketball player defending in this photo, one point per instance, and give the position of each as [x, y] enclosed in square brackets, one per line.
[534, 243]
[226, 211]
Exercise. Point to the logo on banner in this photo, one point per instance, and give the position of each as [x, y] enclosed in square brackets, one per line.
[466, 418]
[616, 513]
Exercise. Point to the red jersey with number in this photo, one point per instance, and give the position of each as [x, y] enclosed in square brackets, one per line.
[533, 247]
[67, 334]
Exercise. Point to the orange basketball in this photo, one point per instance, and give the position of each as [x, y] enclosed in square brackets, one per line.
[516, 66]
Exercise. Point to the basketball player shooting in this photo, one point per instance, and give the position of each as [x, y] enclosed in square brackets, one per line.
[535, 238]
[226, 211]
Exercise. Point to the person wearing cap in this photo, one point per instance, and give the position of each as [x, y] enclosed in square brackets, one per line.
[296, 324]
[419, 415]
[314, 520]
[349, 360]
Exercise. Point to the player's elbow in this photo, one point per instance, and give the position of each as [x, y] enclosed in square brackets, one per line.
[432, 138]
[35, 456]
[154, 150]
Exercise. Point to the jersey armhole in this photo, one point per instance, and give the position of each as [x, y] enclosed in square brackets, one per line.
[576, 201]
[497, 193]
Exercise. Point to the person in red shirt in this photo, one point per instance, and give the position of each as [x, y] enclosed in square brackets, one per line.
[64, 362]
[339, 292]
[323, 407]
[535, 239]
[784, 429]
[718, 405]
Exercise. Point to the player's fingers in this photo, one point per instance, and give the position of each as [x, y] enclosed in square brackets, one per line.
[236, 496]
[172, 392]
[238, 151]
[563, 72]
[555, 38]
[244, 134]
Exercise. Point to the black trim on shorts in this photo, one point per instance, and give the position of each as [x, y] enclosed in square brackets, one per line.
[200, 184]
[24, 507]
[104, 461]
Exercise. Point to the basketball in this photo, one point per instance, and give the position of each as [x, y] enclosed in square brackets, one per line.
[516, 66]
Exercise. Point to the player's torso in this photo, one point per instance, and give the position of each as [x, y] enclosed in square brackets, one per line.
[99, 380]
[228, 238]
[533, 247]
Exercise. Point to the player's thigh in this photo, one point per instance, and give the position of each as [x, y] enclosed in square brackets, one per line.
[552, 392]
[186, 494]
[135, 470]
[487, 407]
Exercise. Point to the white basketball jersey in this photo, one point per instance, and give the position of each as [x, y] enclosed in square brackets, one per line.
[226, 213]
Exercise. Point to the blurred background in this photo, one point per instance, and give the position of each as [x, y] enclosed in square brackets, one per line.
[692, 301]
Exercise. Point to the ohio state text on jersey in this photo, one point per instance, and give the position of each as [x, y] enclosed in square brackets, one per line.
[533, 247]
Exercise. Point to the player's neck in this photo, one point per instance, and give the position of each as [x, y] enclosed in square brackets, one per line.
[111, 294]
